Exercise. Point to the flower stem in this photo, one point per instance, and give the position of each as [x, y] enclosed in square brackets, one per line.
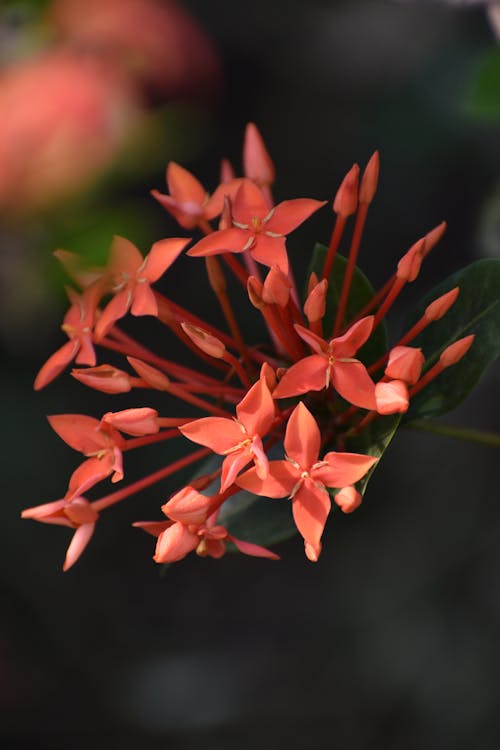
[460, 433]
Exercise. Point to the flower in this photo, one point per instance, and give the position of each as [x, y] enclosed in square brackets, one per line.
[332, 364]
[305, 479]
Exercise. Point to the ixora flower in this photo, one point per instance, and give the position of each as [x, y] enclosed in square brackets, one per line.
[305, 415]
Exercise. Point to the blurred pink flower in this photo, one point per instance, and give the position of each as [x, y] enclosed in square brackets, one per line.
[157, 40]
[63, 120]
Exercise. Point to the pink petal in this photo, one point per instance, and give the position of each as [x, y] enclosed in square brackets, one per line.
[114, 310]
[187, 215]
[316, 343]
[310, 508]
[353, 339]
[89, 473]
[232, 465]
[175, 543]
[270, 251]
[56, 364]
[342, 469]
[215, 203]
[248, 203]
[161, 256]
[78, 431]
[353, 383]
[255, 550]
[302, 437]
[256, 410]
[309, 374]
[280, 481]
[288, 215]
[86, 355]
[257, 163]
[124, 257]
[144, 300]
[224, 241]
[183, 186]
[81, 538]
[217, 433]
[45, 511]
[154, 528]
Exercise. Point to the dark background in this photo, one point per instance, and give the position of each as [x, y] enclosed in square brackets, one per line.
[392, 639]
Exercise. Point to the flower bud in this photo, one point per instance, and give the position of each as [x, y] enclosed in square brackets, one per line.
[257, 164]
[315, 304]
[441, 305]
[454, 353]
[141, 421]
[188, 506]
[369, 181]
[348, 499]
[153, 377]
[405, 363]
[276, 288]
[346, 199]
[103, 378]
[392, 397]
[205, 341]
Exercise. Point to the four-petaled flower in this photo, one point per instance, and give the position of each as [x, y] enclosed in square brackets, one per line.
[258, 229]
[240, 439]
[101, 443]
[131, 276]
[333, 363]
[304, 478]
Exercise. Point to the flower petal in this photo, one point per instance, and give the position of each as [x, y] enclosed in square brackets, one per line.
[232, 465]
[144, 300]
[124, 257]
[56, 364]
[184, 186]
[270, 251]
[217, 433]
[79, 432]
[114, 310]
[81, 538]
[255, 550]
[175, 543]
[302, 437]
[288, 215]
[161, 256]
[353, 339]
[249, 202]
[310, 508]
[223, 241]
[280, 481]
[256, 410]
[352, 381]
[342, 469]
[309, 374]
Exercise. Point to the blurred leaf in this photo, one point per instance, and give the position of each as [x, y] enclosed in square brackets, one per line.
[484, 100]
[361, 293]
[477, 311]
[374, 441]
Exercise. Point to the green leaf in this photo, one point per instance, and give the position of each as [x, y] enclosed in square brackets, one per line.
[477, 311]
[374, 441]
[484, 101]
[360, 294]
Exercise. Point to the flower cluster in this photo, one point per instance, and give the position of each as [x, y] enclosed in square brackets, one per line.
[280, 419]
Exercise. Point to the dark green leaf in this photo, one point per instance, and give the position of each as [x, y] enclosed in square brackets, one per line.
[477, 311]
[361, 293]
[374, 441]
[484, 101]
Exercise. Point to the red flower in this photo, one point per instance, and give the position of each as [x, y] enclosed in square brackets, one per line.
[258, 229]
[304, 478]
[332, 364]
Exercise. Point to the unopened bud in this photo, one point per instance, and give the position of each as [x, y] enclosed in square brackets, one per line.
[257, 163]
[409, 265]
[215, 274]
[268, 375]
[441, 305]
[276, 288]
[312, 551]
[187, 506]
[346, 200]
[136, 422]
[254, 289]
[348, 499]
[103, 378]
[226, 171]
[153, 377]
[405, 363]
[433, 237]
[315, 304]
[392, 397]
[204, 341]
[454, 353]
[369, 181]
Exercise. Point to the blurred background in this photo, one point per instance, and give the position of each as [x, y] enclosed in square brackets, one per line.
[392, 639]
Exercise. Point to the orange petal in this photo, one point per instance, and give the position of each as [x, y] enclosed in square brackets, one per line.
[348, 499]
[405, 363]
[309, 374]
[256, 410]
[352, 382]
[280, 481]
[270, 251]
[223, 241]
[288, 215]
[114, 310]
[257, 163]
[353, 339]
[392, 397]
[188, 506]
[302, 437]
[79, 431]
[217, 433]
[183, 186]
[138, 421]
[161, 256]
[310, 508]
[105, 378]
[81, 538]
[342, 469]
[124, 257]
[254, 550]
[56, 364]
[154, 528]
[249, 202]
